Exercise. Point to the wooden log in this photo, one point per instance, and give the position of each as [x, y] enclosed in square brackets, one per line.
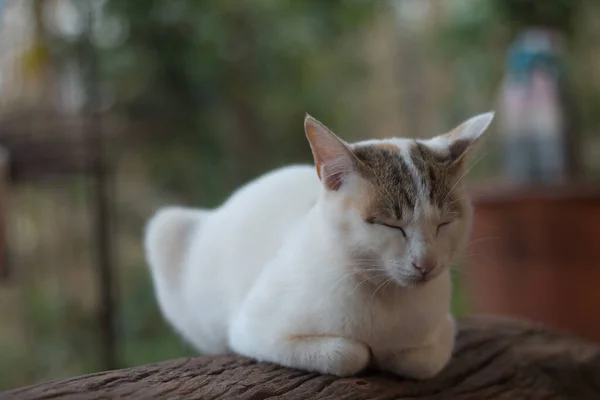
[494, 359]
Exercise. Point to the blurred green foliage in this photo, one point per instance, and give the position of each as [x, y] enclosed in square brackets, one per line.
[222, 86]
[555, 14]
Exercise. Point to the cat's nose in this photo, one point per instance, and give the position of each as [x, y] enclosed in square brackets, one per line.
[424, 265]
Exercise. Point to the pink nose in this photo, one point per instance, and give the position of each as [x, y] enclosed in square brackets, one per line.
[424, 265]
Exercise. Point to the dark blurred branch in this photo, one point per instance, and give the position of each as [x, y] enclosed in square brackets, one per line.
[102, 213]
[552, 14]
[5, 269]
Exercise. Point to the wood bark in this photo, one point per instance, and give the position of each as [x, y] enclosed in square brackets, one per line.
[494, 359]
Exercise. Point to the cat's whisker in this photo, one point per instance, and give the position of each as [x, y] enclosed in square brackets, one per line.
[367, 267]
[457, 200]
[385, 283]
[367, 263]
[482, 239]
[373, 260]
[473, 164]
[351, 274]
[367, 279]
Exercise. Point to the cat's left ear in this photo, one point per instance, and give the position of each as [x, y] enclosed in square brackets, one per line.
[333, 159]
[461, 139]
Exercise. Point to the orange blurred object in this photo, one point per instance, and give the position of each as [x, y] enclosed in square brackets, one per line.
[534, 255]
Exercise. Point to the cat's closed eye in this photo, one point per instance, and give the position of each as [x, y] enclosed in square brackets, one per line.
[443, 224]
[374, 221]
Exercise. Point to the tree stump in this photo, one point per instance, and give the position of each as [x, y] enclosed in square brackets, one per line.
[494, 359]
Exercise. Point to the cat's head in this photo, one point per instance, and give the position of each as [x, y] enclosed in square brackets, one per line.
[398, 205]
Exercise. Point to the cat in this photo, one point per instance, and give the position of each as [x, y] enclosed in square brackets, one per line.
[330, 271]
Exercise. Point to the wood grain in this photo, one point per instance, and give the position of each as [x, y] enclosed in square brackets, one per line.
[494, 359]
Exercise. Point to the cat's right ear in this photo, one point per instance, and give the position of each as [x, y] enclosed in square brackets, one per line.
[333, 159]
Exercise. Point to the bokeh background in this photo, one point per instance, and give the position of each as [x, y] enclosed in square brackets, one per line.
[110, 109]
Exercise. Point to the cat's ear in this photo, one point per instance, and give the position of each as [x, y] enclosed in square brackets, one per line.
[333, 159]
[461, 139]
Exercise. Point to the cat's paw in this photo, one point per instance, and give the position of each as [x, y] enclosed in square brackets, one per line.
[342, 357]
[421, 362]
[315, 353]
[420, 366]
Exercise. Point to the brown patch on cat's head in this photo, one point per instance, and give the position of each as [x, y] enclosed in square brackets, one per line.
[387, 146]
[389, 188]
[437, 173]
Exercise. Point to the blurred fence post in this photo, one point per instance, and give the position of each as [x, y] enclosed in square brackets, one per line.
[100, 199]
[4, 187]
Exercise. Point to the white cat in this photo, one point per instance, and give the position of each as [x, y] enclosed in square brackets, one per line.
[329, 271]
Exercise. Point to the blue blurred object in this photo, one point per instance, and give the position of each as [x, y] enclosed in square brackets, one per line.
[532, 117]
[530, 51]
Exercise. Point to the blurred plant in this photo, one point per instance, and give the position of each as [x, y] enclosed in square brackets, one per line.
[217, 90]
[552, 14]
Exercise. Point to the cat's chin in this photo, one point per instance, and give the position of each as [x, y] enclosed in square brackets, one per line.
[407, 282]
[413, 282]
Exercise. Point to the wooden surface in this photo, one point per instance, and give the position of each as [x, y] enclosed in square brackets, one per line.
[494, 359]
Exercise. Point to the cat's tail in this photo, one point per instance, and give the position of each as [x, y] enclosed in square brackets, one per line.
[167, 241]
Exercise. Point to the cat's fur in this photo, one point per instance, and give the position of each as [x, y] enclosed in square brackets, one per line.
[328, 271]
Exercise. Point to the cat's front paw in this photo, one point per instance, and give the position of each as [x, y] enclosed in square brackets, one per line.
[342, 357]
[421, 366]
[422, 362]
[333, 355]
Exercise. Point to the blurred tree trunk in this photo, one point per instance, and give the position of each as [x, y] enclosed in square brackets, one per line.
[248, 146]
[383, 95]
